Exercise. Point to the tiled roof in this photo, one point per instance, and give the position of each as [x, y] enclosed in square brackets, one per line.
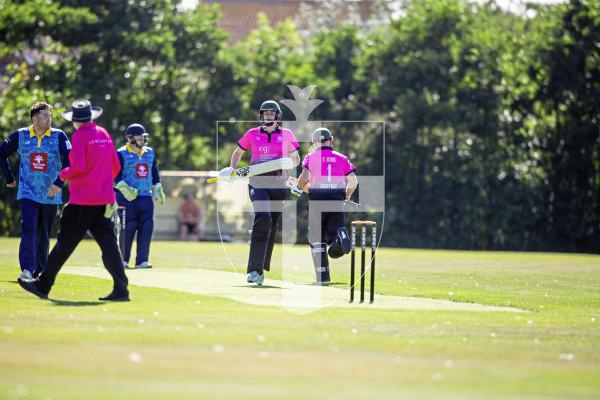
[239, 16]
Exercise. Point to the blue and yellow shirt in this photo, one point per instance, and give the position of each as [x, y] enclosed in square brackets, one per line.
[41, 159]
[138, 170]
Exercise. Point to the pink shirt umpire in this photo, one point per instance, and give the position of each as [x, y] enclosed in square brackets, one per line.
[94, 165]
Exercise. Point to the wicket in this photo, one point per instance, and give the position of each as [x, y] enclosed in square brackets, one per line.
[363, 234]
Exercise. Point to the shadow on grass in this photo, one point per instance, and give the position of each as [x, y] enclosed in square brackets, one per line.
[262, 287]
[336, 284]
[67, 303]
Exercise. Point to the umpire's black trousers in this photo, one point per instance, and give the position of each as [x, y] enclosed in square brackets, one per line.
[75, 221]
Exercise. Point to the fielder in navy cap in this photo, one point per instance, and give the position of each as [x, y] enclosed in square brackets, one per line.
[139, 186]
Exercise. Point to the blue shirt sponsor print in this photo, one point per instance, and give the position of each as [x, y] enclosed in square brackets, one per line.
[39, 165]
[137, 169]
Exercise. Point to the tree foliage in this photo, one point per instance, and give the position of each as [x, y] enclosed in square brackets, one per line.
[492, 118]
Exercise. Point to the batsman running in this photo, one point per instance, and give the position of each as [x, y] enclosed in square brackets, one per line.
[329, 177]
[267, 142]
[138, 186]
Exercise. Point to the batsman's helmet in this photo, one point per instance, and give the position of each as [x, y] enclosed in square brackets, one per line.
[136, 130]
[322, 135]
[270, 105]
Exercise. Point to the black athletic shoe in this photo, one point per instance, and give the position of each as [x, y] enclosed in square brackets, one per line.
[31, 287]
[344, 239]
[116, 297]
[335, 250]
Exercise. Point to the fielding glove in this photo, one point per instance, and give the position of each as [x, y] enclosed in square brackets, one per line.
[296, 191]
[158, 193]
[128, 192]
[110, 210]
[226, 174]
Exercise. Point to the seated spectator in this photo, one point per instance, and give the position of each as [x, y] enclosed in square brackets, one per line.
[189, 218]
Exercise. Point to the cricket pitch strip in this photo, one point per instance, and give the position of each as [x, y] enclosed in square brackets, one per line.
[285, 294]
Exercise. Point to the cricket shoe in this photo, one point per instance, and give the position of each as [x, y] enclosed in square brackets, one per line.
[31, 287]
[341, 244]
[116, 296]
[255, 277]
[25, 276]
[344, 239]
[335, 250]
[143, 265]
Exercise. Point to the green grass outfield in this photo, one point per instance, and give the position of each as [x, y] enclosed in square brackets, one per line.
[167, 344]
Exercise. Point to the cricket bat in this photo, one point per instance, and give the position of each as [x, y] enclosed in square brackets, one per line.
[262, 168]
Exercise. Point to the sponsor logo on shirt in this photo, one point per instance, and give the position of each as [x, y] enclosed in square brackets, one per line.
[141, 170]
[328, 185]
[100, 141]
[38, 162]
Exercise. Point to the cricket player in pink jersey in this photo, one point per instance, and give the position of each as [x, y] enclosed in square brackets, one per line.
[329, 176]
[268, 192]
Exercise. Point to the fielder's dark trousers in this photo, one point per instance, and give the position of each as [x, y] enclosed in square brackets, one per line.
[75, 221]
[265, 227]
[36, 225]
[139, 217]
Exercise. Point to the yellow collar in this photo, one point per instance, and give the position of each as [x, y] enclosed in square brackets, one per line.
[39, 138]
[131, 150]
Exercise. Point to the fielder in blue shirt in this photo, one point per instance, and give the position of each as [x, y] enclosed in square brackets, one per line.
[138, 186]
[43, 152]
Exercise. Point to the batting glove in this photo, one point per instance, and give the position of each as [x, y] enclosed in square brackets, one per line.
[226, 174]
[128, 192]
[158, 193]
[110, 210]
[296, 191]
